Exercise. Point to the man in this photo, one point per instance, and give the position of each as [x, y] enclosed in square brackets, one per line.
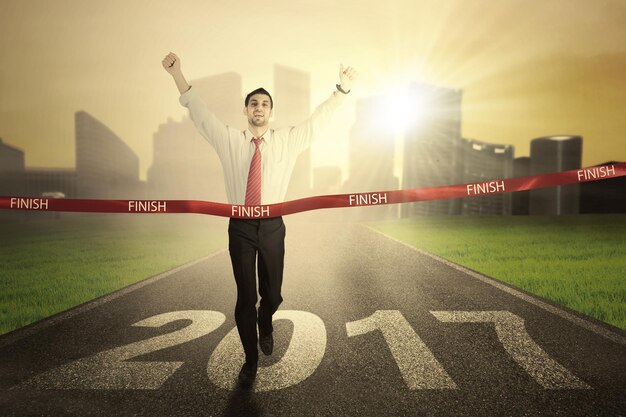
[257, 164]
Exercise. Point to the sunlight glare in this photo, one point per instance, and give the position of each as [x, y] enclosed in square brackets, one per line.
[404, 108]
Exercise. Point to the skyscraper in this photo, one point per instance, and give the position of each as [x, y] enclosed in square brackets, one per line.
[106, 168]
[484, 162]
[45, 180]
[521, 199]
[371, 157]
[185, 166]
[605, 196]
[12, 170]
[555, 154]
[11, 159]
[433, 152]
[292, 100]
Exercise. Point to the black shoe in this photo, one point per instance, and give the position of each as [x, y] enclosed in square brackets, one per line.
[266, 341]
[247, 374]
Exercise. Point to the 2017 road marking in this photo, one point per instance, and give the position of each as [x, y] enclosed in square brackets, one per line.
[520, 346]
[419, 368]
[417, 364]
[112, 370]
[303, 356]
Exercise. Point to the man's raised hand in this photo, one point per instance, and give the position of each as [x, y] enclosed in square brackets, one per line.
[347, 76]
[171, 63]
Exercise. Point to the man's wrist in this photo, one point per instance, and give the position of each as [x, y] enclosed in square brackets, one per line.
[342, 89]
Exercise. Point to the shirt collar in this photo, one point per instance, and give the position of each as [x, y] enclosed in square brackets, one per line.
[266, 137]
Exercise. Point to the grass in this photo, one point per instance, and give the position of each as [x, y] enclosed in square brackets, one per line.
[576, 261]
[50, 265]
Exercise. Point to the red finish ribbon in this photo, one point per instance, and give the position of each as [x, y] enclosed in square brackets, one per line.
[318, 202]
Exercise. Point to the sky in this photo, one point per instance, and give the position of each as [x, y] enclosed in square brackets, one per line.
[527, 68]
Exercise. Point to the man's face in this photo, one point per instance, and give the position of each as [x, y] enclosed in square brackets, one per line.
[258, 110]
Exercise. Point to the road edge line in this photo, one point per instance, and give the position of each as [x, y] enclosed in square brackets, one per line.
[30, 329]
[533, 299]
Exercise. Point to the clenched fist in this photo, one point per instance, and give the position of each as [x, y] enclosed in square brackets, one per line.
[171, 63]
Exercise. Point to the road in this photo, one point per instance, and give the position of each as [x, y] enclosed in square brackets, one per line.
[368, 327]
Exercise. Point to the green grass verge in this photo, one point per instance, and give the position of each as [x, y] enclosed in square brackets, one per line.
[50, 265]
[576, 261]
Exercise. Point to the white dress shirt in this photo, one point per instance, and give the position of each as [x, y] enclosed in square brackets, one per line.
[279, 149]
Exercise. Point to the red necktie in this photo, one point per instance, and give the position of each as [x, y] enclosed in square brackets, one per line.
[253, 188]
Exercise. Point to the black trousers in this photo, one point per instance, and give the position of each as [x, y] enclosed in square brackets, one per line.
[248, 238]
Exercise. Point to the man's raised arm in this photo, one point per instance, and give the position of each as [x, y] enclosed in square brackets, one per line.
[171, 63]
[302, 135]
[213, 130]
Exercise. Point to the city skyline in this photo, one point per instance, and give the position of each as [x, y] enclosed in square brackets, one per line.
[527, 70]
[100, 152]
[361, 126]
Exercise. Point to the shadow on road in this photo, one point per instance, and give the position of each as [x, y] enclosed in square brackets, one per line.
[242, 403]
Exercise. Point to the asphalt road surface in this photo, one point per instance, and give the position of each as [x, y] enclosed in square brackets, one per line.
[368, 327]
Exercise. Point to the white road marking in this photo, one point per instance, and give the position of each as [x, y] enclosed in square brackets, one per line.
[520, 346]
[304, 354]
[581, 322]
[417, 364]
[113, 369]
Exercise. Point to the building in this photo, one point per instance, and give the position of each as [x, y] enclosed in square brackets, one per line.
[433, 150]
[12, 171]
[603, 196]
[371, 158]
[483, 162]
[11, 159]
[521, 199]
[292, 100]
[16, 180]
[106, 168]
[46, 180]
[555, 154]
[185, 165]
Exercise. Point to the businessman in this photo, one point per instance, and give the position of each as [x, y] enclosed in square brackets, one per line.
[257, 164]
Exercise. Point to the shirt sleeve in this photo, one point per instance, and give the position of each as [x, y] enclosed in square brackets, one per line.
[213, 130]
[301, 136]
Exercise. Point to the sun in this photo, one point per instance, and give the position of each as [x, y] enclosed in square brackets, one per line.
[404, 107]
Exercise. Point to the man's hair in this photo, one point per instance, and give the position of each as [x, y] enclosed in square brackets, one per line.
[259, 91]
